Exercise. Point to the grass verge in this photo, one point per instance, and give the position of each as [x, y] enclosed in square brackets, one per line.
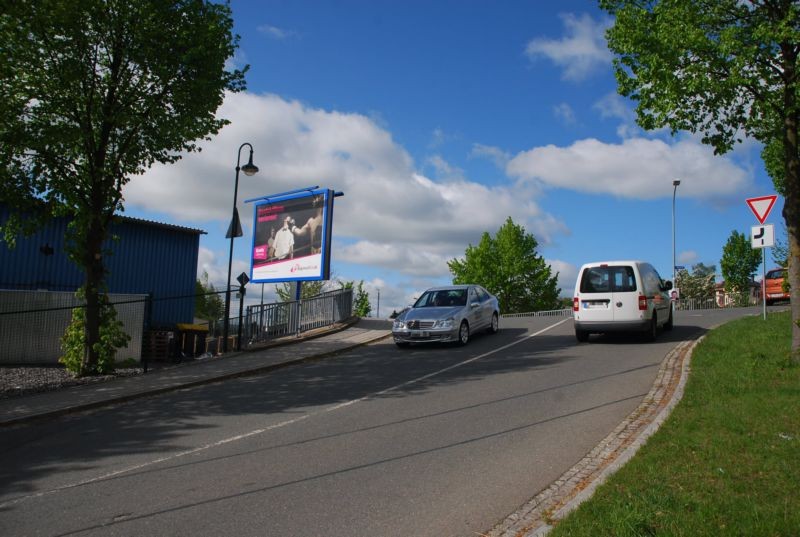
[727, 461]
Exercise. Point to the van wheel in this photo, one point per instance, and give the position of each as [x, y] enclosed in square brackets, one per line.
[463, 333]
[652, 332]
[582, 336]
[669, 324]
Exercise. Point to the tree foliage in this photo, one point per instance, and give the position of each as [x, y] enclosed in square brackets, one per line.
[508, 266]
[699, 284]
[738, 264]
[95, 92]
[208, 303]
[112, 337]
[286, 290]
[725, 69]
[361, 303]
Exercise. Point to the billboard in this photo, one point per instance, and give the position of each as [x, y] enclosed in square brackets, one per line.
[292, 236]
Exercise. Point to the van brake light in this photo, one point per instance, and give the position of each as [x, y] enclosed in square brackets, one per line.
[642, 302]
[575, 304]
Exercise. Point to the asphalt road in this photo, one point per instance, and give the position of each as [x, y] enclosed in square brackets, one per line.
[382, 441]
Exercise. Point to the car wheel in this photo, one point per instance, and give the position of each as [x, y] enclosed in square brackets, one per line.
[463, 333]
[495, 326]
[669, 324]
[582, 335]
[652, 332]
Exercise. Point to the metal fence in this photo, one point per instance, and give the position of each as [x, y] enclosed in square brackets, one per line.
[269, 321]
[729, 300]
[33, 322]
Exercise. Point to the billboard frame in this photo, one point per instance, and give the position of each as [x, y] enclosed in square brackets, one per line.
[281, 221]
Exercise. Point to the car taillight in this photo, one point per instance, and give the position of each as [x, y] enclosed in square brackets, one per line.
[575, 303]
[642, 302]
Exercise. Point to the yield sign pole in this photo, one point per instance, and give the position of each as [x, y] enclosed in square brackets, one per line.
[761, 207]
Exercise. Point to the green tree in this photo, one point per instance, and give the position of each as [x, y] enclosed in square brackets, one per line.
[725, 69]
[699, 285]
[780, 253]
[508, 266]
[310, 289]
[361, 303]
[208, 303]
[95, 92]
[738, 264]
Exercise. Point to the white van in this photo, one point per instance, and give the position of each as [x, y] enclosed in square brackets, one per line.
[621, 296]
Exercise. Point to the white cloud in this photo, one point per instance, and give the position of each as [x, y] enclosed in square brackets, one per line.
[567, 273]
[613, 105]
[445, 170]
[564, 113]
[637, 168]
[390, 215]
[495, 154]
[687, 257]
[274, 32]
[580, 52]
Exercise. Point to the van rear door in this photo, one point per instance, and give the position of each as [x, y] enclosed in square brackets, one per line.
[609, 293]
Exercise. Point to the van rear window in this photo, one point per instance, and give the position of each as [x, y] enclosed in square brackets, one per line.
[619, 279]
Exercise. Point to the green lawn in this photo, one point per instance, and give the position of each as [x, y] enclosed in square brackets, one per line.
[727, 461]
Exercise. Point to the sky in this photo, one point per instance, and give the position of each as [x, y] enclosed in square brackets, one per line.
[439, 120]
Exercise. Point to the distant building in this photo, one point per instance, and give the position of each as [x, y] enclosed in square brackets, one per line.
[724, 299]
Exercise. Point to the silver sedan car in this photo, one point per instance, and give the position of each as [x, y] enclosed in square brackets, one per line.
[448, 313]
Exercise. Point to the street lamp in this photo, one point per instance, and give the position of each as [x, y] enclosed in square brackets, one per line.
[675, 184]
[235, 230]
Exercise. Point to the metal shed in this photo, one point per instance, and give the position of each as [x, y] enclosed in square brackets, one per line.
[148, 258]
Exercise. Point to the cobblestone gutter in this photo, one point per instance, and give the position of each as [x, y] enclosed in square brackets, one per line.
[535, 518]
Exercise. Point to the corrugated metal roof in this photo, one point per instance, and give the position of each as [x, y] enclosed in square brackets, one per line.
[161, 224]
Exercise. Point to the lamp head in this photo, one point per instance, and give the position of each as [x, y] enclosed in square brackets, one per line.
[250, 168]
[676, 182]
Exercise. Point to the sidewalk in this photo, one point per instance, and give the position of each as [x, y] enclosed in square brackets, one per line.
[279, 353]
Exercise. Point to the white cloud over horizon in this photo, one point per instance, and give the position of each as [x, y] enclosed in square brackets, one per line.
[390, 216]
[637, 168]
[580, 52]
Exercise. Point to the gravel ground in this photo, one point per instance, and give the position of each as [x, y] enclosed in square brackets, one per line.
[21, 381]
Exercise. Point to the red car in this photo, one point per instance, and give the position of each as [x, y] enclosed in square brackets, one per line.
[775, 290]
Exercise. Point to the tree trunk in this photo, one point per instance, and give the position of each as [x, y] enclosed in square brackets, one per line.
[93, 262]
[791, 207]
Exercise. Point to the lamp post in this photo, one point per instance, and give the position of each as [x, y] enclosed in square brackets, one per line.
[675, 184]
[235, 230]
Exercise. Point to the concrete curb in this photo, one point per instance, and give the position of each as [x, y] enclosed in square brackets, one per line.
[576, 485]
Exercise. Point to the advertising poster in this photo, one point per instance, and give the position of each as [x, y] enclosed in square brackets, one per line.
[291, 237]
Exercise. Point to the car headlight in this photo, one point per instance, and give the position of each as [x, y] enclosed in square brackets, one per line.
[444, 323]
[398, 325]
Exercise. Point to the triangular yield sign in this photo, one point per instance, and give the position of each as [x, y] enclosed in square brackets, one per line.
[761, 206]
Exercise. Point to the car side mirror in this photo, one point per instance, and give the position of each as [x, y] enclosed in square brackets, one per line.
[667, 286]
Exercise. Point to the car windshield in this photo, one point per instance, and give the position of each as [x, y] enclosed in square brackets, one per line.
[442, 298]
[775, 274]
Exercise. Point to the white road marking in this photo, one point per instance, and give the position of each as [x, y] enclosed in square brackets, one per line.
[279, 425]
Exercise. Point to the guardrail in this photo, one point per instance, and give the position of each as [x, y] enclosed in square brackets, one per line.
[551, 313]
[269, 321]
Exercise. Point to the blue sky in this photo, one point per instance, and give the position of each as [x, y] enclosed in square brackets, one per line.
[439, 120]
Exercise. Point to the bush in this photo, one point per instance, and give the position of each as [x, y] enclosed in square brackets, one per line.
[112, 337]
